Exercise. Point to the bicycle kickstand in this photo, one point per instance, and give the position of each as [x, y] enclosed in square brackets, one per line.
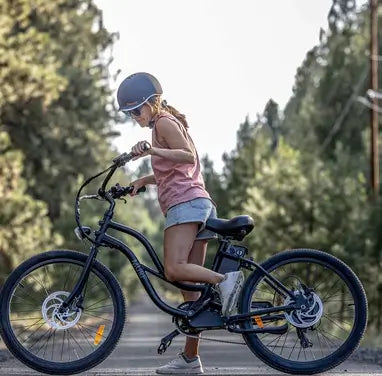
[166, 341]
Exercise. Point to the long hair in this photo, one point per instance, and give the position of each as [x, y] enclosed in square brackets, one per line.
[158, 105]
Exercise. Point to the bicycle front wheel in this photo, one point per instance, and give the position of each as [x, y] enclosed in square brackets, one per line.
[328, 327]
[55, 342]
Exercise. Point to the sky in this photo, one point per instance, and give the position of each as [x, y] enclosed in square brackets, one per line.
[218, 61]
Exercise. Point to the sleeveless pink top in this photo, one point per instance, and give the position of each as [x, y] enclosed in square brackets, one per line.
[176, 182]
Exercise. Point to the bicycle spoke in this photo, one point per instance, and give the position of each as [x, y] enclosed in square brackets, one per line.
[25, 329]
[35, 343]
[98, 317]
[335, 323]
[31, 335]
[97, 308]
[54, 337]
[327, 338]
[67, 276]
[99, 301]
[25, 318]
[46, 292]
[63, 342]
[86, 338]
[293, 348]
[282, 348]
[77, 344]
[298, 356]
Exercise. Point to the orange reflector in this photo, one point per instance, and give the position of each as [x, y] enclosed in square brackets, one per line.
[98, 336]
[259, 322]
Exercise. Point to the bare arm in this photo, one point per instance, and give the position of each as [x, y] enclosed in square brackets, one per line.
[149, 179]
[141, 182]
[179, 149]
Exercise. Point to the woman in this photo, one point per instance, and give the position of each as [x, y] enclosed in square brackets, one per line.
[183, 199]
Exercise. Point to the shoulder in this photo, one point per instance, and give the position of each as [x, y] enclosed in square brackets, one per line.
[167, 125]
[165, 122]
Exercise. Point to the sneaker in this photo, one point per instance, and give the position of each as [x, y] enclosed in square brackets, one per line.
[229, 290]
[182, 366]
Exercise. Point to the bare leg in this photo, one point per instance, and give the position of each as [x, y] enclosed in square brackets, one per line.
[183, 260]
[178, 242]
[197, 256]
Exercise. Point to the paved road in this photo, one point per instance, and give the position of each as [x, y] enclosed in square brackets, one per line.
[136, 353]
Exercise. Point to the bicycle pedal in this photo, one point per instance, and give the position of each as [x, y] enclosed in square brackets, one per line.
[166, 341]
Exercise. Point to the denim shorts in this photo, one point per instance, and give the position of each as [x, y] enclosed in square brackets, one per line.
[196, 210]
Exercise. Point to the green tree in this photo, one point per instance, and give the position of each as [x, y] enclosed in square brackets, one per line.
[56, 104]
[24, 226]
[57, 108]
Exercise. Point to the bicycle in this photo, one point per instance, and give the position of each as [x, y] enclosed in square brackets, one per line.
[302, 311]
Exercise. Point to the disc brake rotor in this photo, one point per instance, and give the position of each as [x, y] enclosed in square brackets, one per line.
[308, 315]
[54, 318]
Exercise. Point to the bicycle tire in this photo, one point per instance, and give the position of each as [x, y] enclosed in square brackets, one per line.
[261, 351]
[76, 366]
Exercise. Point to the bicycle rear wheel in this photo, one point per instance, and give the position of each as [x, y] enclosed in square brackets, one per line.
[321, 334]
[61, 343]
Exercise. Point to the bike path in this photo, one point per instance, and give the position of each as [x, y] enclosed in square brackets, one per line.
[136, 353]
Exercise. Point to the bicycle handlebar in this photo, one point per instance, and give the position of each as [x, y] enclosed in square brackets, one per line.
[119, 161]
[114, 192]
[118, 191]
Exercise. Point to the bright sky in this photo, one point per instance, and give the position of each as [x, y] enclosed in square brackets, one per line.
[217, 60]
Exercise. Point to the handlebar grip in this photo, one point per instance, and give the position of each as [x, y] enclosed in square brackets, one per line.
[126, 157]
[131, 187]
[146, 146]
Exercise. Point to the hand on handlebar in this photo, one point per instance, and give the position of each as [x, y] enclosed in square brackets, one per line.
[137, 184]
[141, 149]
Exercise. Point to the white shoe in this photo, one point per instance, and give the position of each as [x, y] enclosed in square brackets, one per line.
[229, 290]
[182, 366]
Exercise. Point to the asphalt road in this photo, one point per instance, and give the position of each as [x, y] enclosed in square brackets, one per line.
[136, 353]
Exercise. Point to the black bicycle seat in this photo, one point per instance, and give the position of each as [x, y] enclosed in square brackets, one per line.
[237, 227]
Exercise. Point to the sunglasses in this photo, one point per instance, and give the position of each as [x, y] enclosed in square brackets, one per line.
[134, 112]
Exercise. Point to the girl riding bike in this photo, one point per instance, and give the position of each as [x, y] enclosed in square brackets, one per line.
[301, 311]
[182, 197]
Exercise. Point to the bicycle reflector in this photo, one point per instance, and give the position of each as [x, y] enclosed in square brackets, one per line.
[99, 335]
[258, 321]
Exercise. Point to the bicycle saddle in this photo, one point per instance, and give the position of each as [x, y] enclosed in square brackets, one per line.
[237, 227]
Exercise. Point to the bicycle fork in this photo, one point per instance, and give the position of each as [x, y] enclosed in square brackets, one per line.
[76, 294]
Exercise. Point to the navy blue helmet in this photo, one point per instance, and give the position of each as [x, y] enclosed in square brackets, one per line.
[136, 90]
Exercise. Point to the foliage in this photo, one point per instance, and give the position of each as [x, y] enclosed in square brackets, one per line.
[24, 226]
[56, 107]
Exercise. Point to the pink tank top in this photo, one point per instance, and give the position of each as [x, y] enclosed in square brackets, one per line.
[176, 182]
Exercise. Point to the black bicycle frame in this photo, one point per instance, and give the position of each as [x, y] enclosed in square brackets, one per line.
[103, 239]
